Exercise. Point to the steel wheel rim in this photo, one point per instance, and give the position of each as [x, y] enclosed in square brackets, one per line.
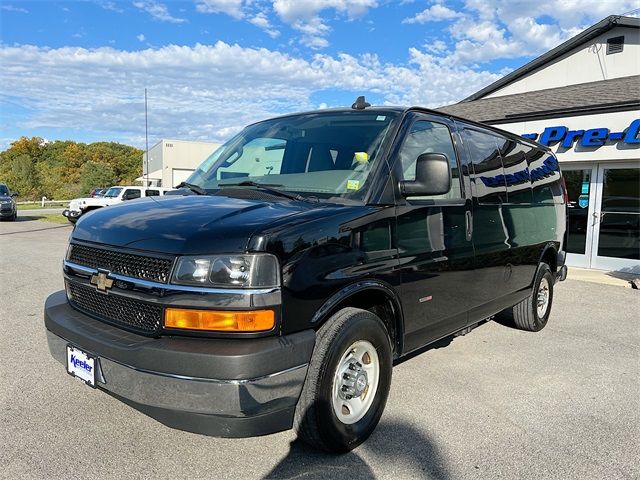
[542, 298]
[355, 382]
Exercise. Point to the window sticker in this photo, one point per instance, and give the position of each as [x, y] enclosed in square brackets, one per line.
[381, 118]
[353, 184]
[583, 201]
[361, 157]
[585, 187]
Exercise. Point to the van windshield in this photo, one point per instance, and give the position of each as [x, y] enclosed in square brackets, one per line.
[113, 192]
[330, 154]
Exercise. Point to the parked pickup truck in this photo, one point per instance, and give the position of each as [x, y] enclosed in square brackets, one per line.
[300, 261]
[113, 195]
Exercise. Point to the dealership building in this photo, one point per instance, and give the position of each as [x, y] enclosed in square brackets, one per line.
[582, 99]
[172, 161]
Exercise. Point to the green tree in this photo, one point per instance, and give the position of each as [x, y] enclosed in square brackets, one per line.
[96, 174]
[67, 169]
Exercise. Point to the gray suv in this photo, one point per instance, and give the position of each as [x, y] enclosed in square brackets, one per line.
[8, 208]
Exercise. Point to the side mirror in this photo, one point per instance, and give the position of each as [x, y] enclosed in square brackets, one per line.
[432, 176]
[15, 194]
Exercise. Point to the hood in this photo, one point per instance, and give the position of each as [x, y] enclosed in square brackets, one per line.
[183, 225]
[80, 201]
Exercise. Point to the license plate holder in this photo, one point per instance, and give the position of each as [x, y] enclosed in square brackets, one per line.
[81, 365]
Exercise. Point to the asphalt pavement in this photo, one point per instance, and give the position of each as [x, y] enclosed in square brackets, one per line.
[497, 403]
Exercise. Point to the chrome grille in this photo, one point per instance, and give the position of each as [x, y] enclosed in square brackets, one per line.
[128, 264]
[124, 312]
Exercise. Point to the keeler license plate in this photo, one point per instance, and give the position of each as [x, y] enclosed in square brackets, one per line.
[81, 365]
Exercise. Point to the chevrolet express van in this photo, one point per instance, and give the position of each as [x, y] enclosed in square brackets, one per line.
[304, 257]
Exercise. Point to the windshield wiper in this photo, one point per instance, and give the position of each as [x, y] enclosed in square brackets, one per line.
[267, 187]
[194, 188]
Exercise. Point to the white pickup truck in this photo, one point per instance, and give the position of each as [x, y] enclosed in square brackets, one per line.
[80, 206]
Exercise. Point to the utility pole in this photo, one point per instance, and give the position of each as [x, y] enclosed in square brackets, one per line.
[146, 138]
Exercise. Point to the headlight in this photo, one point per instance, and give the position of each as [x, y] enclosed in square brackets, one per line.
[239, 271]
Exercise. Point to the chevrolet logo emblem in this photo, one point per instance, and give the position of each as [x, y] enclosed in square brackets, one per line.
[102, 281]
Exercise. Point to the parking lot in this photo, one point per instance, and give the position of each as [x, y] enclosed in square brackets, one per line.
[497, 403]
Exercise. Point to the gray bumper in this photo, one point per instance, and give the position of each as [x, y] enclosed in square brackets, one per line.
[232, 407]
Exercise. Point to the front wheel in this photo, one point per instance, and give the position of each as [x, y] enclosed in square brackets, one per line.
[533, 312]
[347, 384]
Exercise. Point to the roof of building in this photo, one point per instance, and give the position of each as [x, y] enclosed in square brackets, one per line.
[617, 94]
[583, 37]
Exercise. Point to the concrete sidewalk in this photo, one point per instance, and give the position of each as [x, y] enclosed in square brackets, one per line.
[619, 279]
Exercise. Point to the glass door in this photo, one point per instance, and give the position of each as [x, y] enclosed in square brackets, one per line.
[580, 209]
[616, 221]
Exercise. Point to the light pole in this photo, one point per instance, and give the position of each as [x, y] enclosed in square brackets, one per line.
[146, 138]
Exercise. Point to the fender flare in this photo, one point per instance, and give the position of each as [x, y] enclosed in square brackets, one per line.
[547, 247]
[357, 287]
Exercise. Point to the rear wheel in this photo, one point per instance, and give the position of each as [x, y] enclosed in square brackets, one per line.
[348, 382]
[533, 312]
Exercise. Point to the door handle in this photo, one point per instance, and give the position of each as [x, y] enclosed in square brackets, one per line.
[469, 224]
[597, 217]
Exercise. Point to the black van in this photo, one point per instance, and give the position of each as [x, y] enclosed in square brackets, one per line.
[300, 261]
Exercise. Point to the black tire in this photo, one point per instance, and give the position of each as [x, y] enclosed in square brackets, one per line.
[316, 422]
[15, 216]
[525, 313]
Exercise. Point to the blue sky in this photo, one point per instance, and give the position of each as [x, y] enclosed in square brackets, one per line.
[77, 70]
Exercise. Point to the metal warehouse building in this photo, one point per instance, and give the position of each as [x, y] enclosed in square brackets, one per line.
[583, 100]
[172, 161]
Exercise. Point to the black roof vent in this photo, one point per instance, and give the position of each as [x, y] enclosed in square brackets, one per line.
[360, 103]
[615, 44]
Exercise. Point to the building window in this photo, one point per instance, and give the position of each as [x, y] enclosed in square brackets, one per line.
[615, 45]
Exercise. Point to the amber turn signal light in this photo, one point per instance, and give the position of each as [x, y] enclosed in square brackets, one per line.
[219, 321]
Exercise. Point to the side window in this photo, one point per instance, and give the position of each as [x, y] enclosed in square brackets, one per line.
[430, 137]
[261, 156]
[545, 177]
[488, 178]
[130, 194]
[152, 193]
[516, 171]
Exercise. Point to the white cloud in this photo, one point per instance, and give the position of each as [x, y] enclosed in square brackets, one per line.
[294, 10]
[109, 5]
[201, 92]
[232, 8]
[261, 21]
[11, 8]
[314, 32]
[158, 11]
[434, 13]
[303, 15]
[486, 30]
[141, 37]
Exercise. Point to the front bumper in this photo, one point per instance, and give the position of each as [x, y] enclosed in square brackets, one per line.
[221, 387]
[7, 212]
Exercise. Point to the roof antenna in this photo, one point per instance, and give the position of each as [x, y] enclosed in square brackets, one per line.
[360, 103]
